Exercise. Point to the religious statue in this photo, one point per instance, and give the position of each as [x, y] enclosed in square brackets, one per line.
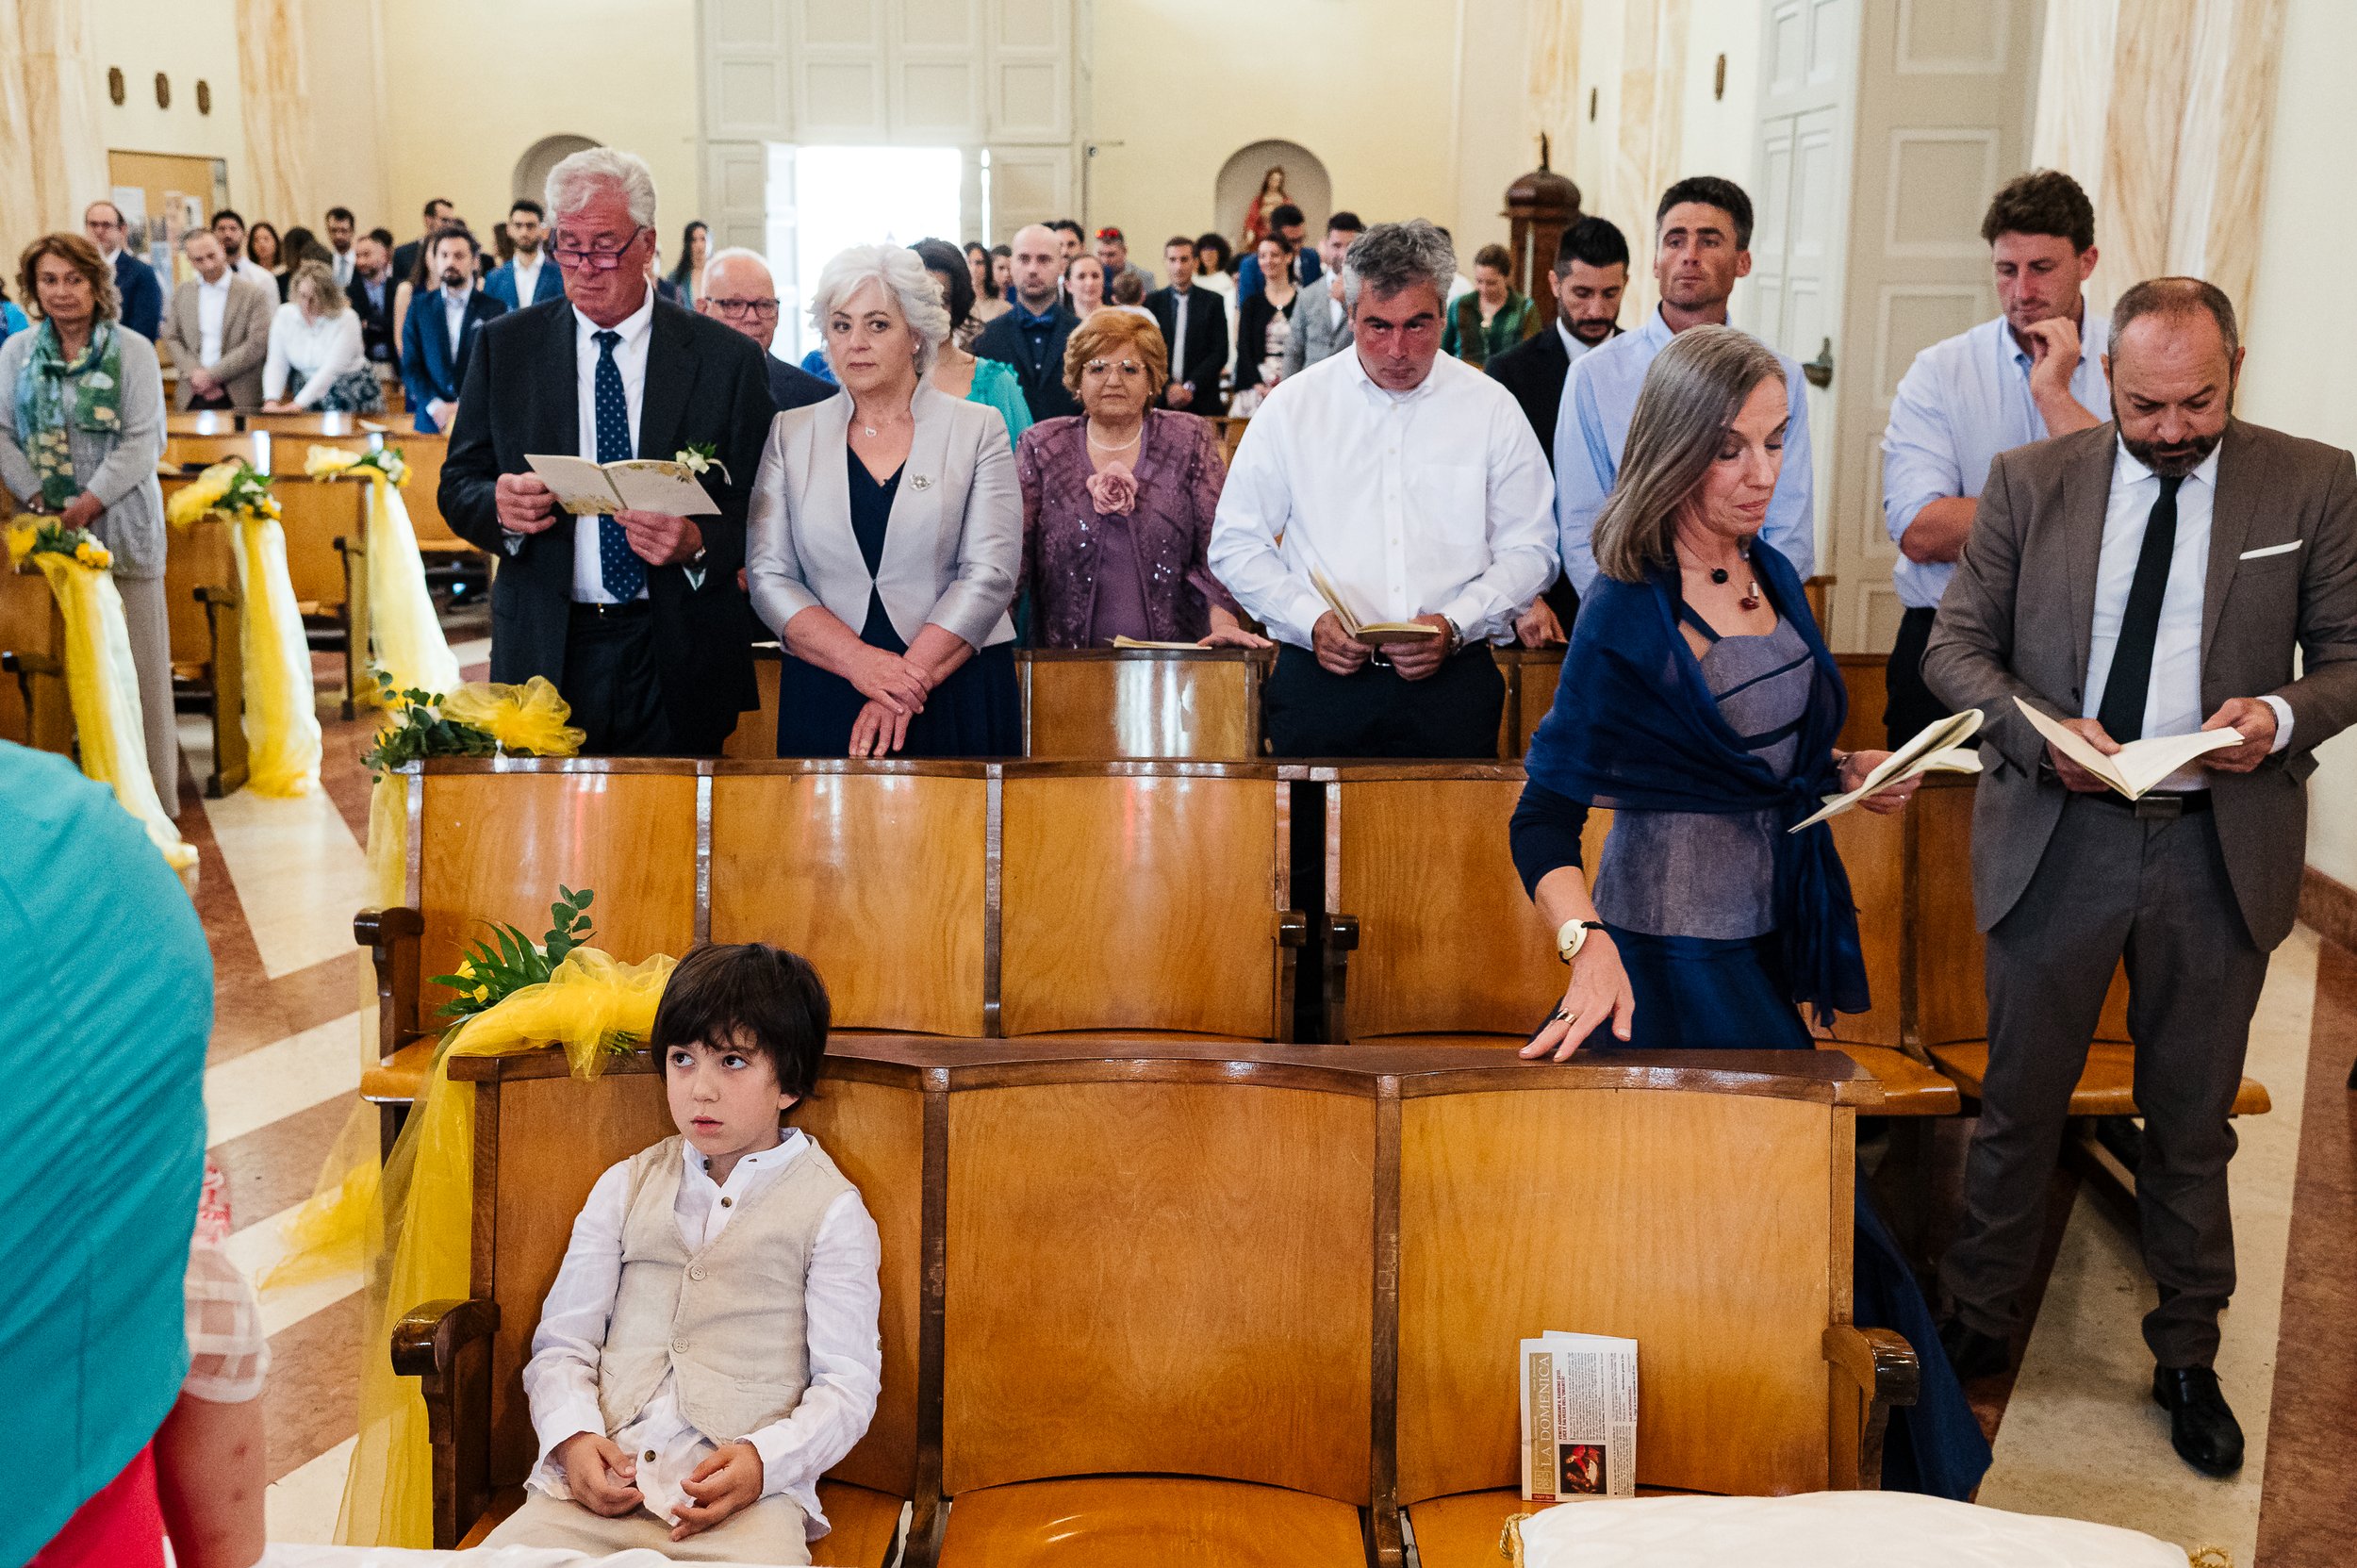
[1264, 200]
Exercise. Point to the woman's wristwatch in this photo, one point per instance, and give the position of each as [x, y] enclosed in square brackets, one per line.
[1574, 937]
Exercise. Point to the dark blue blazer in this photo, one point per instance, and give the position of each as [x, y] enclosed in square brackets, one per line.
[1038, 360]
[791, 387]
[500, 284]
[428, 370]
[142, 296]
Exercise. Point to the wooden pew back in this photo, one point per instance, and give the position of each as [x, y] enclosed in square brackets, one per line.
[33, 706]
[878, 873]
[1531, 676]
[1142, 704]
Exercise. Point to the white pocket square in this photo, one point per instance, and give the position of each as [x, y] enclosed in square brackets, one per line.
[2272, 549]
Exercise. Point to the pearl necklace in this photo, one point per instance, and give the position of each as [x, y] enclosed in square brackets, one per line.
[1097, 445]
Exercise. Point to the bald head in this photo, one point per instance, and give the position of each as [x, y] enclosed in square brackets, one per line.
[737, 289]
[1036, 262]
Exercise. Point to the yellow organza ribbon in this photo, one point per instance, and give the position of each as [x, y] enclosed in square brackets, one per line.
[282, 725]
[411, 1226]
[403, 635]
[103, 688]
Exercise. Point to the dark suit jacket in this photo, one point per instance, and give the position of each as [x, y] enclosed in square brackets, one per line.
[1200, 360]
[376, 320]
[791, 387]
[1252, 321]
[405, 260]
[1038, 365]
[142, 296]
[2019, 613]
[704, 383]
[428, 370]
[1534, 370]
[547, 283]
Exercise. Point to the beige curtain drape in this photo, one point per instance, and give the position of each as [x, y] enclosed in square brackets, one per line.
[271, 65]
[49, 119]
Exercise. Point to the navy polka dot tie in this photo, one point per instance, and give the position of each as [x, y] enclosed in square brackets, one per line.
[622, 571]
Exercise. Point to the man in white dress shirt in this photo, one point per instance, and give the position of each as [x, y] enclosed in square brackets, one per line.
[1410, 484]
[344, 232]
[2026, 375]
[1703, 239]
[217, 330]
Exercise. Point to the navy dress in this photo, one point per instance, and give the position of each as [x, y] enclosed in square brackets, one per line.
[1686, 898]
[977, 712]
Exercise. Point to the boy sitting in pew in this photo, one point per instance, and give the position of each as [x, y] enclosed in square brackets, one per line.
[709, 1347]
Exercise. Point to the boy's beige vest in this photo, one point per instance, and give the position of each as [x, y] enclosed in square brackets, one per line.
[726, 1321]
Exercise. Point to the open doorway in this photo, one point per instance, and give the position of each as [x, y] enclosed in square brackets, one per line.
[824, 199]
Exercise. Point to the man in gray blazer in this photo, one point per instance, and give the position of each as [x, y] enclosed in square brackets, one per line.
[217, 330]
[2150, 576]
[1320, 325]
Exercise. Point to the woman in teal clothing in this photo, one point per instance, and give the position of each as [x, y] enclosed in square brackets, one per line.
[1493, 317]
[956, 372]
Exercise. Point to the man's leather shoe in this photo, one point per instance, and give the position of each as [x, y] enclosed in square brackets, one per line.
[2201, 1427]
[1972, 1353]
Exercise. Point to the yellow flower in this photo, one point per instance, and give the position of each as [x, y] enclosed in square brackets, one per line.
[325, 462]
[482, 993]
[466, 969]
[20, 538]
[93, 556]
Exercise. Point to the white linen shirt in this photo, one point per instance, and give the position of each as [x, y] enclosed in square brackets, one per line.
[212, 309]
[1434, 500]
[527, 280]
[319, 352]
[253, 272]
[1965, 400]
[630, 358]
[2172, 698]
[840, 1304]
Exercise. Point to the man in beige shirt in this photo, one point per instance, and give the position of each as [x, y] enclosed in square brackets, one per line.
[217, 330]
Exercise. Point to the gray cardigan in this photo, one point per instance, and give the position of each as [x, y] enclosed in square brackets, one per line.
[118, 469]
[955, 542]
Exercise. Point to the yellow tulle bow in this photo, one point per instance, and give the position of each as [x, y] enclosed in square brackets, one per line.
[327, 462]
[529, 718]
[410, 1229]
[193, 501]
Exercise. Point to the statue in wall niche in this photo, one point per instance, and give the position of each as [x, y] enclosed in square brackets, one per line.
[1266, 200]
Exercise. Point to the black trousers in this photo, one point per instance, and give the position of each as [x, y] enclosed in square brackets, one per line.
[1909, 704]
[612, 682]
[1453, 712]
[2155, 891]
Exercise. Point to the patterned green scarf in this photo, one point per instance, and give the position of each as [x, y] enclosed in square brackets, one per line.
[53, 397]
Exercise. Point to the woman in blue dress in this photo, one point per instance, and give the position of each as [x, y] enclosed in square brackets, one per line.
[1699, 704]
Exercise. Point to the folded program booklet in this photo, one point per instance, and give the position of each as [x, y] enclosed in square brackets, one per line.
[2136, 768]
[1372, 633]
[1938, 749]
[1579, 1417]
[632, 485]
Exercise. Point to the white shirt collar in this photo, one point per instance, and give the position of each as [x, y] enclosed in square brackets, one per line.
[790, 1142]
[220, 285]
[1376, 392]
[2127, 470]
[633, 326]
[109, 256]
[456, 298]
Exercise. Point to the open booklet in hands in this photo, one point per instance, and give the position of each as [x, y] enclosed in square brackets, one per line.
[632, 485]
[1371, 634]
[1939, 747]
[2137, 766]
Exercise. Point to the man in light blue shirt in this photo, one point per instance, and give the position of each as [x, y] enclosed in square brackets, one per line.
[1703, 232]
[2020, 378]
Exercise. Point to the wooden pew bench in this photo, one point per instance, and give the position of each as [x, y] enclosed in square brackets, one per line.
[1104, 1347]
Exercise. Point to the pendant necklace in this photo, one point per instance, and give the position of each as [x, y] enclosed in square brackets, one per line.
[1750, 597]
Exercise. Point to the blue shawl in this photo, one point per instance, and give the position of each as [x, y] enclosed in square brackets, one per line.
[1635, 726]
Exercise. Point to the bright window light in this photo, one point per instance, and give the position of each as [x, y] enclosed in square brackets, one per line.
[823, 200]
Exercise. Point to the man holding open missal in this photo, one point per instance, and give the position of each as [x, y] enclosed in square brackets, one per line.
[2137, 583]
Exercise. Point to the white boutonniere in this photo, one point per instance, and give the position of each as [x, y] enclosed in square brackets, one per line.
[700, 457]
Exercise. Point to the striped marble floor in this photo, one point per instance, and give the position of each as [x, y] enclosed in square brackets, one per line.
[2075, 1432]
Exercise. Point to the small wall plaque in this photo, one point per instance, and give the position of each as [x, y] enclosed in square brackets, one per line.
[203, 96]
[114, 84]
[163, 91]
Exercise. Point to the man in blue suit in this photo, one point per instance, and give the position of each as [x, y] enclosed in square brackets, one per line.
[440, 330]
[528, 279]
[1031, 334]
[135, 280]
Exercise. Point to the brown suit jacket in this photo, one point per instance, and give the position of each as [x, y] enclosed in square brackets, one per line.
[244, 340]
[2018, 616]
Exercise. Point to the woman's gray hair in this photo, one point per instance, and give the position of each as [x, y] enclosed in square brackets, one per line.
[578, 176]
[902, 274]
[1696, 387]
[1393, 256]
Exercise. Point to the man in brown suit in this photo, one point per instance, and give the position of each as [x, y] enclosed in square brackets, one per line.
[217, 330]
[2150, 576]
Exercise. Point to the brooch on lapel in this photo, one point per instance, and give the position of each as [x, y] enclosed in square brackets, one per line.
[921, 482]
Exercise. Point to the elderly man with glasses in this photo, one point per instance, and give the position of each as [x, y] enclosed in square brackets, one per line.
[636, 615]
[736, 288]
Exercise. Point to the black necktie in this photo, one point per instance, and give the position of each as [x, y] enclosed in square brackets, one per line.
[2131, 678]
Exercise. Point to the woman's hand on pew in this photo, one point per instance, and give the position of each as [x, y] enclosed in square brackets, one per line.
[1228, 632]
[1599, 992]
[888, 680]
[1857, 764]
[878, 731]
[728, 1482]
[598, 1475]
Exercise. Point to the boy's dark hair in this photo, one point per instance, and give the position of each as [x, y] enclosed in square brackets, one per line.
[2044, 200]
[1710, 190]
[1598, 241]
[1286, 217]
[746, 993]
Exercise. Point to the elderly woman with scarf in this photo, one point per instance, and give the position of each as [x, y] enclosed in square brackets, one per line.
[81, 427]
[1700, 706]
